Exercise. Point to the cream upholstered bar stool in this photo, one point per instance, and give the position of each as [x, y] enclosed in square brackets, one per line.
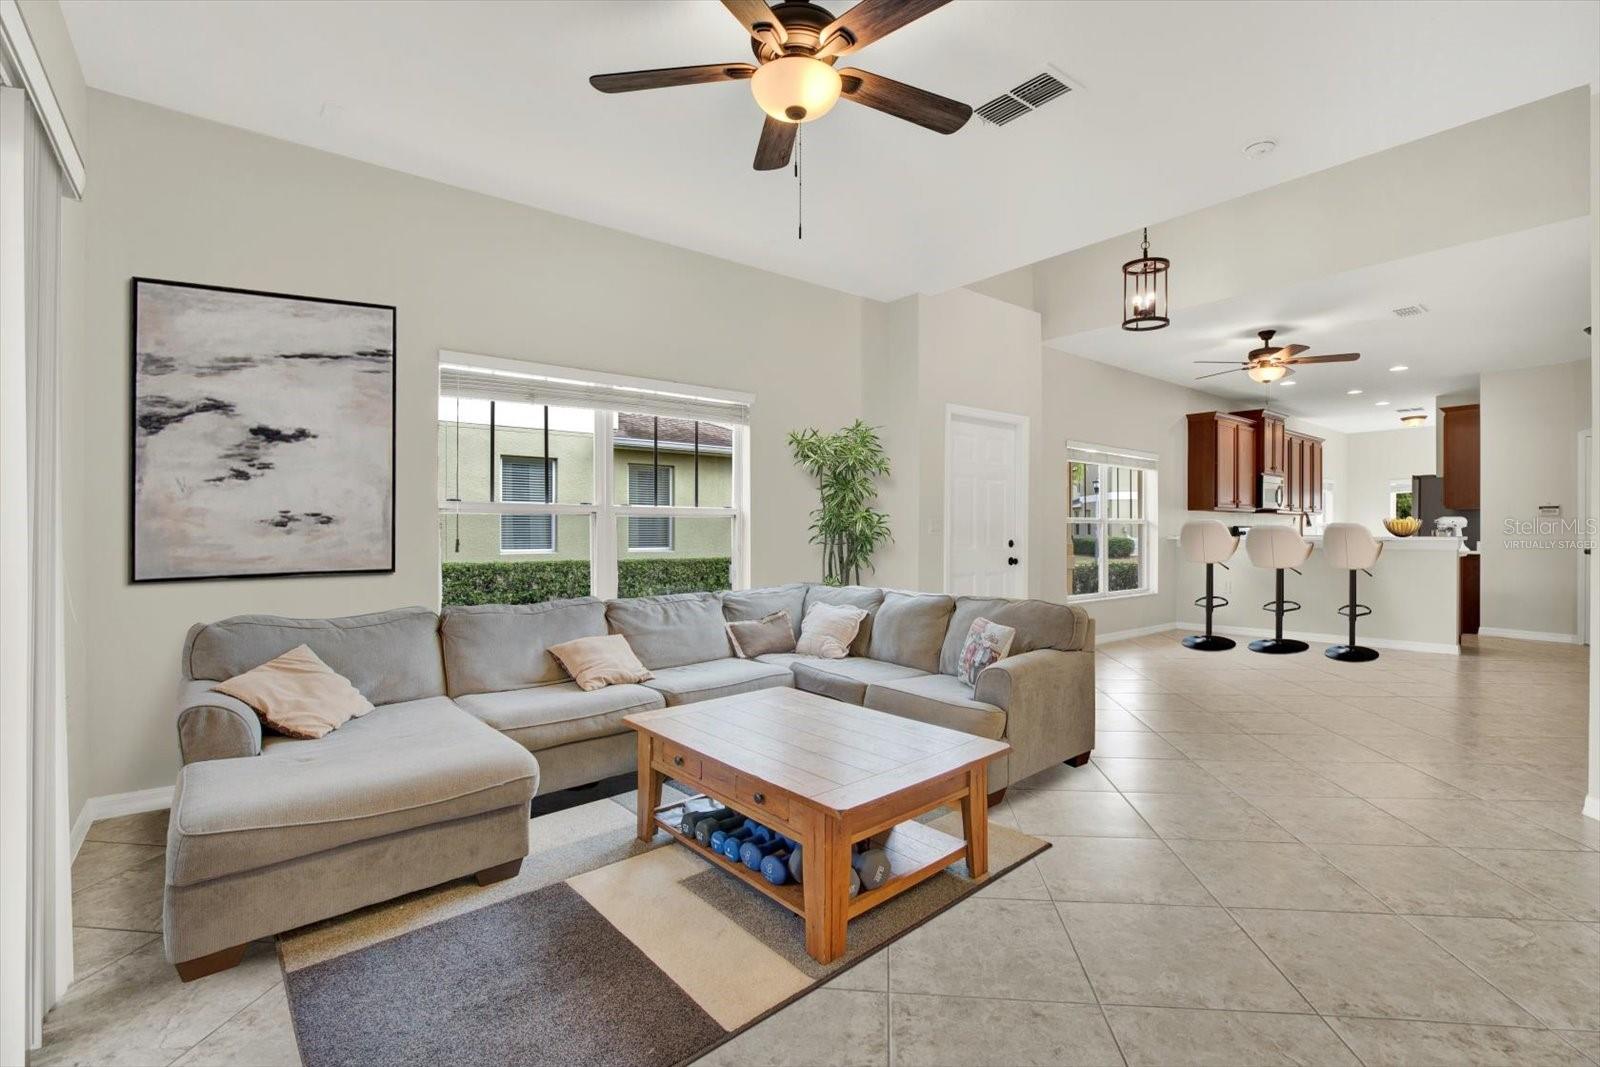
[1209, 542]
[1279, 549]
[1350, 546]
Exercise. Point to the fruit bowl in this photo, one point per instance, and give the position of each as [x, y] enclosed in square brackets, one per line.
[1403, 527]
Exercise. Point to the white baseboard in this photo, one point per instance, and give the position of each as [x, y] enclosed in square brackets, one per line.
[1528, 635]
[1142, 631]
[1329, 639]
[109, 807]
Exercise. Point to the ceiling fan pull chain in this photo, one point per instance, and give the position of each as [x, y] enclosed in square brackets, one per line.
[799, 186]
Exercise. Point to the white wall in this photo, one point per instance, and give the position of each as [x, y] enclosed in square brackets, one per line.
[1374, 460]
[1502, 174]
[180, 198]
[1530, 424]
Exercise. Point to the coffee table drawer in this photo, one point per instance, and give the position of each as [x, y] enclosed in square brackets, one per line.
[761, 796]
[677, 760]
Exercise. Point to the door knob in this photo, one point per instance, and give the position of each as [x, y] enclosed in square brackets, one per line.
[1011, 561]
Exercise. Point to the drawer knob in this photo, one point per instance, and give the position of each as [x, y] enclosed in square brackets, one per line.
[759, 798]
[677, 761]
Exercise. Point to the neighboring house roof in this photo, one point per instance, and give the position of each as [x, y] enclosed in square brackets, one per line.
[642, 430]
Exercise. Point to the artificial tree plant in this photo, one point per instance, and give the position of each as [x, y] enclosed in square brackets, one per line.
[846, 464]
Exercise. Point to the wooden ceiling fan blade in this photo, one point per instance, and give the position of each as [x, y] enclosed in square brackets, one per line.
[928, 110]
[1293, 350]
[758, 20]
[1218, 373]
[1339, 357]
[1219, 362]
[633, 80]
[870, 20]
[777, 141]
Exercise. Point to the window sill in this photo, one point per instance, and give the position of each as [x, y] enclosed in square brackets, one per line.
[527, 551]
[648, 551]
[1093, 598]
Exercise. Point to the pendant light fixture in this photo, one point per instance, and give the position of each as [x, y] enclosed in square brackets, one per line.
[1413, 416]
[1144, 290]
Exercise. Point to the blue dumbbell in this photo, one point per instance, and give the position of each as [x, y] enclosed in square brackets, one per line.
[732, 840]
[775, 866]
[705, 830]
[752, 852]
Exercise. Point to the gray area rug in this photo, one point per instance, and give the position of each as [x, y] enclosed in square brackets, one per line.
[542, 978]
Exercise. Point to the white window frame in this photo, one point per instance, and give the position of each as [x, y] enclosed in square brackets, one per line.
[555, 524]
[1149, 550]
[603, 514]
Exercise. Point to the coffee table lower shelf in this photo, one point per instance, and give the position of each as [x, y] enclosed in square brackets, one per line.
[916, 852]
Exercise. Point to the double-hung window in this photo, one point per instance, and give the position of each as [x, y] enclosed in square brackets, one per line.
[557, 483]
[1111, 528]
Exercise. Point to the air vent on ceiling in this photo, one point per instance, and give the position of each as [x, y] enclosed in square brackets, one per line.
[1410, 310]
[1029, 96]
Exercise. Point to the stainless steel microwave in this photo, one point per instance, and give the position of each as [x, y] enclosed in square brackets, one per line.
[1271, 493]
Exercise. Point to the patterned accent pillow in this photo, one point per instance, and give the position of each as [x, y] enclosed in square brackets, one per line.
[987, 643]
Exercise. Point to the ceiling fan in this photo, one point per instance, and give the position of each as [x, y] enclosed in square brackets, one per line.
[796, 45]
[1269, 363]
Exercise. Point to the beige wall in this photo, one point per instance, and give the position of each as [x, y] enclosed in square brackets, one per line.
[177, 197]
[1376, 459]
[1531, 419]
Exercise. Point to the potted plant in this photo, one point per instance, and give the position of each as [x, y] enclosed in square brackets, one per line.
[846, 465]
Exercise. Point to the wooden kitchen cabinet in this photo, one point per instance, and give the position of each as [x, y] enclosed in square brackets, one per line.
[1461, 461]
[1271, 435]
[1302, 482]
[1222, 466]
[1471, 569]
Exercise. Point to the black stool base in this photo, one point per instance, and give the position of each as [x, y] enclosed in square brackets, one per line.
[1351, 653]
[1208, 643]
[1278, 646]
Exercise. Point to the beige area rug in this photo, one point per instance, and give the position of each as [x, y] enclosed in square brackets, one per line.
[602, 950]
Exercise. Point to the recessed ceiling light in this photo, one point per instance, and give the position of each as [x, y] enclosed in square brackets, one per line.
[1398, 367]
[1352, 392]
[1257, 149]
[1286, 385]
[1380, 403]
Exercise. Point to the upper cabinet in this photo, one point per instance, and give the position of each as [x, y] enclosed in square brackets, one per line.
[1460, 457]
[1272, 454]
[1222, 464]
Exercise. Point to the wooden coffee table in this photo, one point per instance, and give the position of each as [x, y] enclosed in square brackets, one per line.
[826, 774]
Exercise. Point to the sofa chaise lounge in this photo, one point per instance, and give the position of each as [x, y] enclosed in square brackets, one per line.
[473, 715]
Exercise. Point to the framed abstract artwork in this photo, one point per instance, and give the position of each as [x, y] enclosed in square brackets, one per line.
[263, 434]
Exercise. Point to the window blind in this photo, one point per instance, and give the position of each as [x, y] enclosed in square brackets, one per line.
[643, 489]
[1078, 452]
[522, 478]
[485, 384]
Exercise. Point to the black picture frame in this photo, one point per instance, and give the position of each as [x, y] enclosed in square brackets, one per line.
[133, 423]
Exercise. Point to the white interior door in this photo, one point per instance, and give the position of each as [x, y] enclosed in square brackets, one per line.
[986, 503]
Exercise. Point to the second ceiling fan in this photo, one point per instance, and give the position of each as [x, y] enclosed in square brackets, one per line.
[796, 45]
[1270, 363]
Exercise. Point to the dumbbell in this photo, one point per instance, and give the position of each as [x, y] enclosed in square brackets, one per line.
[692, 818]
[719, 836]
[754, 851]
[873, 867]
[706, 827]
[796, 865]
[736, 839]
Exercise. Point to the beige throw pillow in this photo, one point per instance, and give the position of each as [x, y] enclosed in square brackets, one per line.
[298, 695]
[828, 630]
[752, 638]
[596, 662]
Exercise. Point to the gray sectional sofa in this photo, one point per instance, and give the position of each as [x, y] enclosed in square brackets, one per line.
[473, 716]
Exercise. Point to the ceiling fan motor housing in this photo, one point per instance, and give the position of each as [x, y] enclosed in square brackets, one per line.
[803, 24]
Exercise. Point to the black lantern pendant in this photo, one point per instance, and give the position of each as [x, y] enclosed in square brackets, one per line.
[1144, 291]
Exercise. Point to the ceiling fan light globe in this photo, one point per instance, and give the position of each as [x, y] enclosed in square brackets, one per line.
[796, 88]
[1267, 372]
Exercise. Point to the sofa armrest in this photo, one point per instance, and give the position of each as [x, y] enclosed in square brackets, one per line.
[213, 725]
[1048, 698]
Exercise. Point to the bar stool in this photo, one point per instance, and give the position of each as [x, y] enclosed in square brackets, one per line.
[1277, 548]
[1351, 546]
[1208, 541]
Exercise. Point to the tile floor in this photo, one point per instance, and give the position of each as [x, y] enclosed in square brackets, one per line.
[1269, 860]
